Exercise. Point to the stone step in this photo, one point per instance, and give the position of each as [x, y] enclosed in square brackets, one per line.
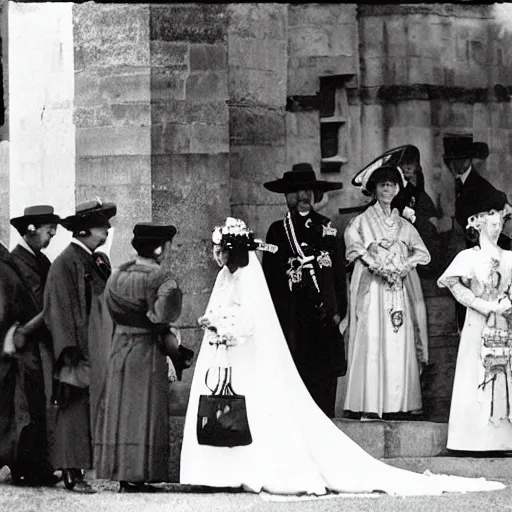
[381, 439]
[391, 439]
[413, 445]
[473, 467]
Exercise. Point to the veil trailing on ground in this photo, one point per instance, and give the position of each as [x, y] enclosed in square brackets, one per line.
[296, 449]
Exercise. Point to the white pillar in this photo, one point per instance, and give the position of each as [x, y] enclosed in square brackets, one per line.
[42, 133]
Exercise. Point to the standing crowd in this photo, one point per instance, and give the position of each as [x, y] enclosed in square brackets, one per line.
[99, 344]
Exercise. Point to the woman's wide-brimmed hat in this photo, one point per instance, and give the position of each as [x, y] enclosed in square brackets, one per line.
[301, 177]
[37, 215]
[462, 146]
[90, 215]
[393, 157]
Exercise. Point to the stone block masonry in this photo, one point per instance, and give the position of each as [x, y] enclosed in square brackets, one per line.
[257, 60]
[112, 113]
[189, 148]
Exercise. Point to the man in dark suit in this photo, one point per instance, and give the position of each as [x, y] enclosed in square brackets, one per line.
[307, 281]
[474, 194]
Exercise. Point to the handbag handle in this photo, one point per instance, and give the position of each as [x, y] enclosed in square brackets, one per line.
[226, 388]
[214, 391]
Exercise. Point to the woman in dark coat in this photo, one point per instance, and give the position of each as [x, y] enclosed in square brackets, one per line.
[413, 195]
[23, 441]
[132, 444]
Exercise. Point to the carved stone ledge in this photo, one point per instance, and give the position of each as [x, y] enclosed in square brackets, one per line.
[400, 93]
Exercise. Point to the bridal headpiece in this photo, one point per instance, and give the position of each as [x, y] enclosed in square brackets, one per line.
[235, 233]
[478, 220]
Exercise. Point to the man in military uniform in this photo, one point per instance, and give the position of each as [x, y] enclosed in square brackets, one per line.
[307, 282]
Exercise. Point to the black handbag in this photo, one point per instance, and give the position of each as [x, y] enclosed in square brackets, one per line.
[222, 416]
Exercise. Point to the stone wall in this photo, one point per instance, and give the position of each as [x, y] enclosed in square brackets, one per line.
[189, 149]
[431, 70]
[277, 54]
[322, 42]
[257, 59]
[112, 113]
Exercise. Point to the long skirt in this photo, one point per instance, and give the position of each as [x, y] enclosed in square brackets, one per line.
[72, 446]
[132, 431]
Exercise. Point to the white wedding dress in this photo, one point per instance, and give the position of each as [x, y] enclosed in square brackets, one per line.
[296, 449]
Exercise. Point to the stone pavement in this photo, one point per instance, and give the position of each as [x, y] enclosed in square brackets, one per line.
[14, 499]
[416, 446]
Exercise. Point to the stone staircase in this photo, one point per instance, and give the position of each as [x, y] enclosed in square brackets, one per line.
[414, 445]
[419, 446]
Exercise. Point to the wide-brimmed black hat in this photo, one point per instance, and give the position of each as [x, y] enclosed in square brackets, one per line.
[89, 215]
[37, 215]
[391, 158]
[462, 146]
[301, 177]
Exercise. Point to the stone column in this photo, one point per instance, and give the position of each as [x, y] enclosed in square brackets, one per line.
[189, 150]
[257, 99]
[112, 113]
[189, 161]
[42, 134]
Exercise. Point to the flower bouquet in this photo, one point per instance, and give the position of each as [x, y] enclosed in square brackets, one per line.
[222, 327]
[388, 264]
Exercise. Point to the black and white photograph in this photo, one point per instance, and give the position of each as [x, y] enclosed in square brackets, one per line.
[255, 256]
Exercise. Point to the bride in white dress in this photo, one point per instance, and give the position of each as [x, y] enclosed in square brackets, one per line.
[295, 448]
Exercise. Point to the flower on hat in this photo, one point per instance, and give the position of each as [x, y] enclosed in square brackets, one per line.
[217, 236]
[478, 220]
[233, 233]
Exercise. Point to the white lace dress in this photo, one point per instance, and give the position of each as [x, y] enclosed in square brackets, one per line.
[481, 407]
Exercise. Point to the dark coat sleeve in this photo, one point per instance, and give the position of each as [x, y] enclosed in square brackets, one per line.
[274, 267]
[7, 293]
[478, 196]
[164, 297]
[65, 308]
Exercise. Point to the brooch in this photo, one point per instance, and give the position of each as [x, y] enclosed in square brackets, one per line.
[294, 273]
[329, 231]
[324, 260]
[397, 320]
